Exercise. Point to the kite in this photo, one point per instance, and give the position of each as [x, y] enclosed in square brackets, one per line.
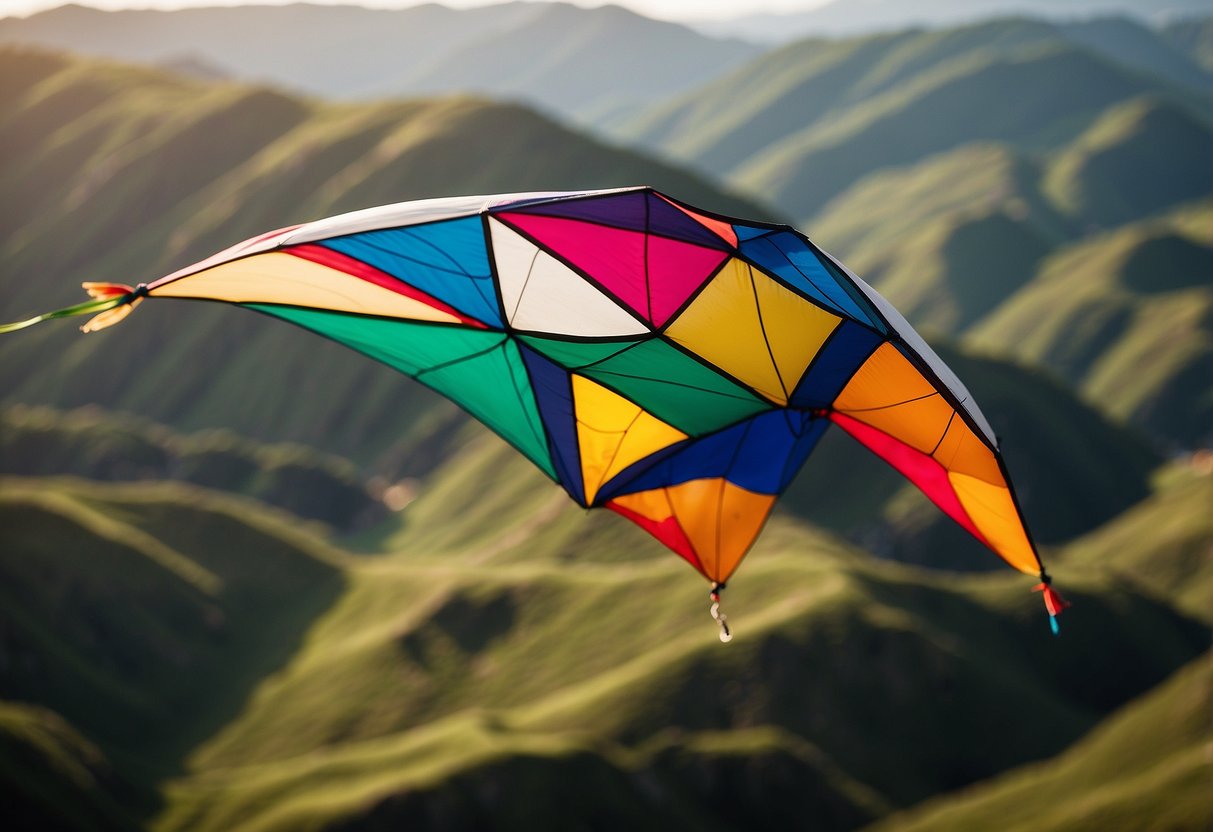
[667, 363]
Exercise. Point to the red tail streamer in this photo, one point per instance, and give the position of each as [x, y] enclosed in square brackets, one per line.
[1054, 603]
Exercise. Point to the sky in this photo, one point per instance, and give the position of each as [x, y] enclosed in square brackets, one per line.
[665, 9]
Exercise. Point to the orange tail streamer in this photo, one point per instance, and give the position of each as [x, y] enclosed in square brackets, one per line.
[1054, 603]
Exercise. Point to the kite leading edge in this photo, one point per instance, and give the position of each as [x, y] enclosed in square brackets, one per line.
[673, 365]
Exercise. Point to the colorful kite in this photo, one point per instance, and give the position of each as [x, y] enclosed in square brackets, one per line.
[672, 365]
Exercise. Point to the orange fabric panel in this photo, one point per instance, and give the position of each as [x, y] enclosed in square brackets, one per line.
[962, 452]
[889, 394]
[993, 511]
[721, 520]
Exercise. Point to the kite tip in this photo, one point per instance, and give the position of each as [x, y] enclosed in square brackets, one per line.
[1054, 603]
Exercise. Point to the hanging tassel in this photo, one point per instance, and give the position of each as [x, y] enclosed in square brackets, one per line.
[1054, 603]
[111, 302]
[726, 635]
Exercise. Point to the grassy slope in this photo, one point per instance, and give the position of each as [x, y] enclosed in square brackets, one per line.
[444, 682]
[965, 100]
[744, 113]
[90, 443]
[54, 778]
[406, 685]
[1140, 157]
[1127, 317]
[127, 606]
[1146, 767]
[81, 134]
[1164, 544]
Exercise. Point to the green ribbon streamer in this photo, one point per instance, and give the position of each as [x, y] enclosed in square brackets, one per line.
[86, 308]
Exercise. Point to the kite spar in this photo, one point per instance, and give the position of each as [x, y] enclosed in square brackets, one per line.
[670, 364]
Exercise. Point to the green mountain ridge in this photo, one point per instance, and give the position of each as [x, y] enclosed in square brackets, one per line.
[95, 445]
[1126, 316]
[1165, 733]
[558, 56]
[452, 720]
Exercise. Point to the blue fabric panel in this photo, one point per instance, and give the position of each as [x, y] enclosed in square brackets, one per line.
[748, 232]
[445, 259]
[554, 395]
[843, 353]
[761, 454]
[785, 255]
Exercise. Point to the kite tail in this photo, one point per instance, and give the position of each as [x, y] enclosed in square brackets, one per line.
[1054, 603]
[726, 635]
[111, 302]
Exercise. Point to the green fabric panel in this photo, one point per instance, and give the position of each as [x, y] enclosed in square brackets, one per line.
[480, 370]
[676, 388]
[575, 354]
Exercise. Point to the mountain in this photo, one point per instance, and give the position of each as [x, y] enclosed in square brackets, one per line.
[1138, 158]
[841, 17]
[1193, 37]
[110, 447]
[563, 58]
[854, 687]
[1145, 767]
[1127, 316]
[115, 173]
[803, 123]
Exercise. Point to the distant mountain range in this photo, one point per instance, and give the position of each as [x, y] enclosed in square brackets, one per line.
[567, 59]
[850, 17]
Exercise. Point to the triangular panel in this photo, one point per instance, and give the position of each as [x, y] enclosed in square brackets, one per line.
[480, 370]
[445, 259]
[542, 294]
[754, 329]
[613, 433]
[651, 275]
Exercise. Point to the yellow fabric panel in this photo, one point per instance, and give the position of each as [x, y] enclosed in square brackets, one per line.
[993, 511]
[612, 433]
[889, 394]
[962, 452]
[795, 328]
[722, 325]
[275, 277]
[721, 520]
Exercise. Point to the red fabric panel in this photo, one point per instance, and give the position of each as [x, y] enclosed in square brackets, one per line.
[344, 263]
[919, 468]
[667, 531]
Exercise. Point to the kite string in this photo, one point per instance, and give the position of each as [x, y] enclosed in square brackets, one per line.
[726, 635]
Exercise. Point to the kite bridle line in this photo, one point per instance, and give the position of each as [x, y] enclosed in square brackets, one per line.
[726, 635]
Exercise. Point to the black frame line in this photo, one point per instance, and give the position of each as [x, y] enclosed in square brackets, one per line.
[762, 326]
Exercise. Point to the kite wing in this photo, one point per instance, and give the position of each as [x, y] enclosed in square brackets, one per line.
[673, 365]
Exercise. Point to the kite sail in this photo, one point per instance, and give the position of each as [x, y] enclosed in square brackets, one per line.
[670, 364]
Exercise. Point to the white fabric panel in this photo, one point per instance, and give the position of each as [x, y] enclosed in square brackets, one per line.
[384, 216]
[916, 343]
[541, 294]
